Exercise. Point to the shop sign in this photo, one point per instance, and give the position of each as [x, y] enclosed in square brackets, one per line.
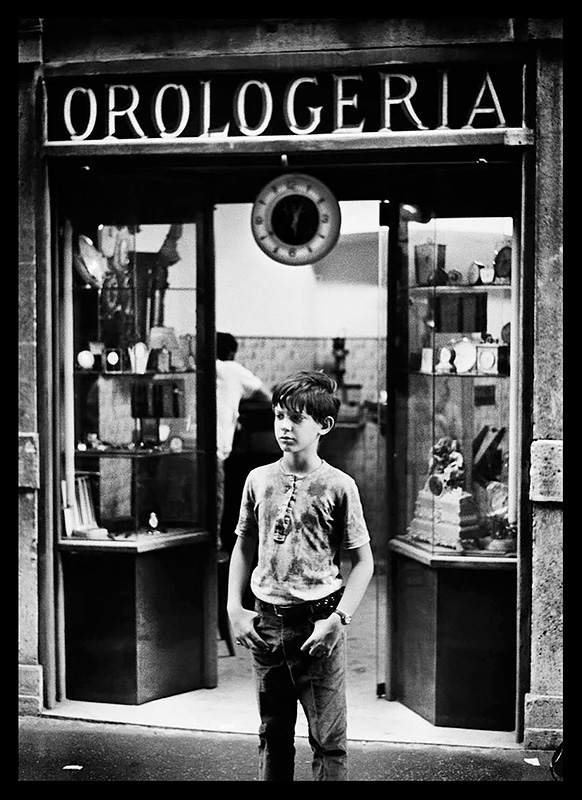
[227, 106]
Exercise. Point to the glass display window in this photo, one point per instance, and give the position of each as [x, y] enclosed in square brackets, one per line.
[451, 376]
[135, 470]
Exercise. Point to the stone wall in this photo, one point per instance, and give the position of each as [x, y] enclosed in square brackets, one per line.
[544, 702]
[30, 672]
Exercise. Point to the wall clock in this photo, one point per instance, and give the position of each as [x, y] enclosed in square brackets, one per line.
[296, 219]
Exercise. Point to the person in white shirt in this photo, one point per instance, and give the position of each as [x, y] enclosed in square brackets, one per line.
[234, 382]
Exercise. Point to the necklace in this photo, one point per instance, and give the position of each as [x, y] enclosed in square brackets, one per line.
[300, 477]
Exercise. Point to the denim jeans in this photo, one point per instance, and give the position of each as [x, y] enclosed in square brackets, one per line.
[285, 676]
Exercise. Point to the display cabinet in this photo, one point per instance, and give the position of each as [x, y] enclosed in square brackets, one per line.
[455, 309]
[453, 545]
[137, 453]
[137, 551]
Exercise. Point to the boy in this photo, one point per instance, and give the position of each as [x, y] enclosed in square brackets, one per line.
[300, 511]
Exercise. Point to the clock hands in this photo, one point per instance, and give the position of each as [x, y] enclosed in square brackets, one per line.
[296, 212]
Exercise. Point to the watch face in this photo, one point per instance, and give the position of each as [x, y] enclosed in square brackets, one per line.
[113, 360]
[296, 219]
[487, 359]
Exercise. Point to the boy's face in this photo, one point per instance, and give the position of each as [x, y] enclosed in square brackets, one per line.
[296, 431]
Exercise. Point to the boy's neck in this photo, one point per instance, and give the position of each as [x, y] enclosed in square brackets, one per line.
[300, 464]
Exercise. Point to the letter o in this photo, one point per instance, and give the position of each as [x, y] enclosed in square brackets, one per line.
[185, 110]
[239, 108]
[92, 113]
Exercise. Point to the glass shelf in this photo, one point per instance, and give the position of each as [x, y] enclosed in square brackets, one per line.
[136, 452]
[128, 374]
[459, 374]
[462, 288]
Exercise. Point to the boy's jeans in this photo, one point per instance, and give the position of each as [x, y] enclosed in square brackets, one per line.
[285, 675]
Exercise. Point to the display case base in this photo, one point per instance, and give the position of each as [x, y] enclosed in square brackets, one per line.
[136, 624]
[455, 644]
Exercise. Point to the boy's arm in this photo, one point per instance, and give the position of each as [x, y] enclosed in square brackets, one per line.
[327, 632]
[241, 561]
[242, 619]
[358, 579]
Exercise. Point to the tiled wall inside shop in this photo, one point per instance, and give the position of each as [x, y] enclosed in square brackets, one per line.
[275, 358]
[359, 451]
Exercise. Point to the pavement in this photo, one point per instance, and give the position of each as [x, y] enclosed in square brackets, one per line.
[55, 749]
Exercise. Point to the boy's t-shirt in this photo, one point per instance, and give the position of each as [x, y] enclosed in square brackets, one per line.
[316, 516]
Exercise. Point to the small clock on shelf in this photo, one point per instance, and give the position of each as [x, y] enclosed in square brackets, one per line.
[296, 219]
[113, 361]
[474, 273]
[492, 359]
[486, 274]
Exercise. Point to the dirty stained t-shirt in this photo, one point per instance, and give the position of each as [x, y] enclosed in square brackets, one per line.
[313, 517]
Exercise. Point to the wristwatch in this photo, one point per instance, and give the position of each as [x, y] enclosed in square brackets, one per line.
[345, 618]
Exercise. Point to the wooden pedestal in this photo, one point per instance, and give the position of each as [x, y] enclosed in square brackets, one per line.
[455, 643]
[137, 624]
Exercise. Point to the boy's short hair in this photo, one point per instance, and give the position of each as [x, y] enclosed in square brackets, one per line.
[309, 391]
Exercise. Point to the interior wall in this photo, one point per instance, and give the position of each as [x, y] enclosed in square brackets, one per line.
[338, 296]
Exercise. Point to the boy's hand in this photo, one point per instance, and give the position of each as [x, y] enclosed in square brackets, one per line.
[242, 621]
[326, 634]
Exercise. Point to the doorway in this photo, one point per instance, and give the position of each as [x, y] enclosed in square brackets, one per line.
[330, 316]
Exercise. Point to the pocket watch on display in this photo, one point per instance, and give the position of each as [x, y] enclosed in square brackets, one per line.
[296, 219]
[113, 360]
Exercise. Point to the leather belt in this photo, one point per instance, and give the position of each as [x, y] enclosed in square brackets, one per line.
[312, 607]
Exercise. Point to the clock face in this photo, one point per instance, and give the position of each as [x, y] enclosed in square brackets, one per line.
[296, 219]
[486, 359]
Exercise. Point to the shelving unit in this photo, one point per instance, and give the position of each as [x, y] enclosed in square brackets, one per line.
[138, 551]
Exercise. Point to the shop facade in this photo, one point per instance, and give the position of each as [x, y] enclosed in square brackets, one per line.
[131, 134]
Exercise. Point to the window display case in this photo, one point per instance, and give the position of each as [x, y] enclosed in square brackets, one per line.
[453, 544]
[137, 452]
[455, 308]
[138, 548]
